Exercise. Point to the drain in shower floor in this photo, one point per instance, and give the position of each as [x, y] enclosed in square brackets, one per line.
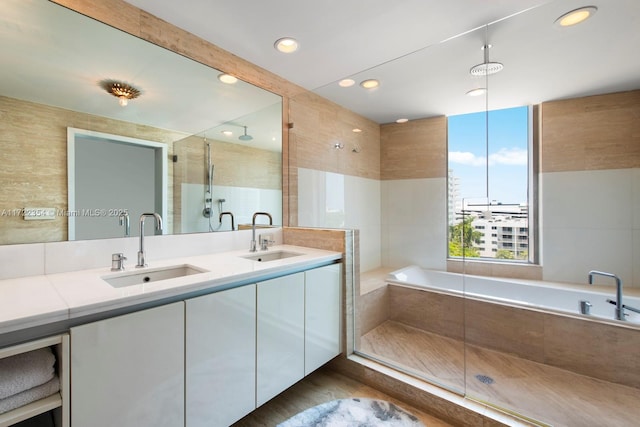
[484, 379]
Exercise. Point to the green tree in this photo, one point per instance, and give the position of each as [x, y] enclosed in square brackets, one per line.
[462, 238]
[504, 254]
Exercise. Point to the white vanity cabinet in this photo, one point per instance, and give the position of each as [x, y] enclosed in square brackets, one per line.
[220, 357]
[129, 370]
[280, 335]
[322, 316]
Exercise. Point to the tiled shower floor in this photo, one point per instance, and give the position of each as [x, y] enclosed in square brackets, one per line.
[545, 393]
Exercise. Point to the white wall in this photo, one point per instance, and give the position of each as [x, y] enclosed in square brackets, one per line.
[414, 223]
[243, 202]
[327, 199]
[590, 220]
[401, 222]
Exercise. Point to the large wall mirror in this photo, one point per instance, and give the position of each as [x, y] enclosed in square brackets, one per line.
[222, 142]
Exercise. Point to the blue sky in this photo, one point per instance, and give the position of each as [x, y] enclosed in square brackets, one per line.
[508, 137]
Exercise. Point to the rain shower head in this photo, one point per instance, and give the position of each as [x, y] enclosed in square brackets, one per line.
[245, 137]
[487, 67]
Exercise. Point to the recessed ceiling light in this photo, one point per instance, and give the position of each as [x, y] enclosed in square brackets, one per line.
[346, 82]
[227, 133]
[370, 84]
[286, 45]
[576, 16]
[477, 91]
[402, 120]
[227, 78]
[356, 130]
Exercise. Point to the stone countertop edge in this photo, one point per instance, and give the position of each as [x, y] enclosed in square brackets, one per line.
[81, 293]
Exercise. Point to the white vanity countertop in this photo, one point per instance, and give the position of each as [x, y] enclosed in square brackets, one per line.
[38, 300]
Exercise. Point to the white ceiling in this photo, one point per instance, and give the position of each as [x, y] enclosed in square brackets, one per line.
[421, 50]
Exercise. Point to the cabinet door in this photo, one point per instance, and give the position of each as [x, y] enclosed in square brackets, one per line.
[221, 357]
[322, 316]
[129, 370]
[280, 335]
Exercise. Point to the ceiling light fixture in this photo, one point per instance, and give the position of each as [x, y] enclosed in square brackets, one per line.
[227, 78]
[245, 137]
[227, 133]
[346, 82]
[487, 67]
[402, 120]
[477, 91]
[576, 16]
[120, 90]
[370, 84]
[286, 45]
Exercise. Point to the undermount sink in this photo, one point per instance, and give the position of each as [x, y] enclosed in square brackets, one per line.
[271, 256]
[146, 275]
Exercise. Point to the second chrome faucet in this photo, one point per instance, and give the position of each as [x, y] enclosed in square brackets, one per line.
[253, 228]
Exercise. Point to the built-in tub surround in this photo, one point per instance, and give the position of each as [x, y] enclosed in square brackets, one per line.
[493, 315]
[562, 369]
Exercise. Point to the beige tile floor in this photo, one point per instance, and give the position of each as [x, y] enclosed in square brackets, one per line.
[548, 394]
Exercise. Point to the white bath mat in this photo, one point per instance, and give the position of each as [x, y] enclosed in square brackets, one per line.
[353, 412]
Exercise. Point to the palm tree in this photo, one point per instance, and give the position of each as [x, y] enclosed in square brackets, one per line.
[462, 238]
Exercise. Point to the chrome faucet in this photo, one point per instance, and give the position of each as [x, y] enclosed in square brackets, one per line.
[141, 260]
[618, 301]
[253, 228]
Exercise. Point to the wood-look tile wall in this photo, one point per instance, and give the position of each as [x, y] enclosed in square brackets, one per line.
[590, 133]
[319, 124]
[429, 311]
[416, 149]
[34, 158]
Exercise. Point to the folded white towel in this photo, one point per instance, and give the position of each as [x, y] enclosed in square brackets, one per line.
[31, 395]
[23, 371]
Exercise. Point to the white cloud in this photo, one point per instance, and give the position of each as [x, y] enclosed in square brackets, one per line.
[466, 158]
[509, 156]
[505, 156]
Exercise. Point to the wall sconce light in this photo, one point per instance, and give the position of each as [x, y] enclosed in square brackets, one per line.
[120, 90]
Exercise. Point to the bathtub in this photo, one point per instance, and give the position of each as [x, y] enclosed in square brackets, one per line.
[539, 295]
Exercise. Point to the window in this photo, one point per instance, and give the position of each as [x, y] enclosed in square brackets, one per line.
[488, 159]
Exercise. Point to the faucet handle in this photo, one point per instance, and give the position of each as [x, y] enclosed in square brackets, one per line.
[117, 261]
[266, 240]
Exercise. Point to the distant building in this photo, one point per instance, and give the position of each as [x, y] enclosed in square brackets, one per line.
[454, 204]
[503, 228]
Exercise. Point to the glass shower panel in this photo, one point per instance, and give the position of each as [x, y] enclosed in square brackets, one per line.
[409, 313]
